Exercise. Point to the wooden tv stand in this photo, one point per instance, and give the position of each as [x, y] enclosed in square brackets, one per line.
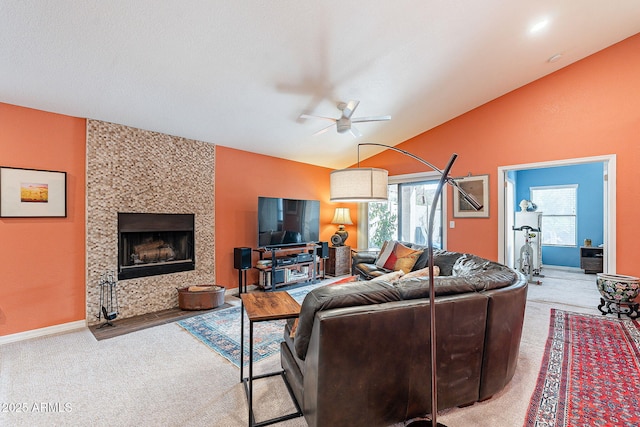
[287, 265]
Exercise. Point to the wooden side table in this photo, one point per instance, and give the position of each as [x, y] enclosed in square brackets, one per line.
[339, 262]
[591, 259]
[262, 307]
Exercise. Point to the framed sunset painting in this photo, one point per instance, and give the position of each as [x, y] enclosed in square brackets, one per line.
[32, 193]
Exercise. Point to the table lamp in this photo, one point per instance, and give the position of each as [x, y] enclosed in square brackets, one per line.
[341, 217]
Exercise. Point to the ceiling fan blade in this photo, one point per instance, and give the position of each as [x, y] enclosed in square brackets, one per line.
[370, 119]
[349, 108]
[323, 130]
[355, 132]
[307, 116]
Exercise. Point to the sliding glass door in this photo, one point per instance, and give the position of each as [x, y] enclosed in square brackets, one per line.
[405, 215]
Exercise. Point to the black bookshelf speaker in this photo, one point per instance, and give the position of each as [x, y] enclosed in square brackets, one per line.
[323, 249]
[242, 258]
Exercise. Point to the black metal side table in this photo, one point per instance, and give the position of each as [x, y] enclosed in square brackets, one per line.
[262, 307]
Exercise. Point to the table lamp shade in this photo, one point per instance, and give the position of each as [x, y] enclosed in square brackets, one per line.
[342, 216]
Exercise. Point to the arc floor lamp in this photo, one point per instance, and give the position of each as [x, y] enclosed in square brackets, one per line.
[370, 185]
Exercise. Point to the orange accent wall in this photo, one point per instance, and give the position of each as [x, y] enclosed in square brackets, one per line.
[589, 108]
[42, 260]
[241, 177]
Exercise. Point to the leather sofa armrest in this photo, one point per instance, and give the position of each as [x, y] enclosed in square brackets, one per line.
[364, 258]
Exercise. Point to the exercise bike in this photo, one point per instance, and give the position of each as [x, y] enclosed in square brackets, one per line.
[525, 262]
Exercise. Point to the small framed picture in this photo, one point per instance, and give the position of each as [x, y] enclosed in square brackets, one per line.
[32, 193]
[478, 188]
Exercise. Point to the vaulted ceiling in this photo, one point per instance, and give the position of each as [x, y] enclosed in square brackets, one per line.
[240, 73]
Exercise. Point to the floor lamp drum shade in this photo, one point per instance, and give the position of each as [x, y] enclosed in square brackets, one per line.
[359, 185]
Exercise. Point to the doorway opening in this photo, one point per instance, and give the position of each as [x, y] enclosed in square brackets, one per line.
[507, 206]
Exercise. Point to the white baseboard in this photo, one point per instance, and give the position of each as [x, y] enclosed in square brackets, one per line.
[49, 330]
[563, 268]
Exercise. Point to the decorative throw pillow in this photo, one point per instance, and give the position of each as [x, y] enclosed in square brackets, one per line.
[424, 272]
[405, 258]
[445, 260]
[388, 277]
[390, 263]
[385, 252]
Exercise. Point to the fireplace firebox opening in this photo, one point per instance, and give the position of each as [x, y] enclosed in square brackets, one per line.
[150, 244]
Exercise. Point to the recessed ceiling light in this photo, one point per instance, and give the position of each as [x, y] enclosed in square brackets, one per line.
[555, 57]
[539, 26]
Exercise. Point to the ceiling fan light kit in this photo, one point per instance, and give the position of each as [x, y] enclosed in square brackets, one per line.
[344, 123]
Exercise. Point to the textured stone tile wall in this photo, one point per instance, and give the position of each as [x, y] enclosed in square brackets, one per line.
[138, 171]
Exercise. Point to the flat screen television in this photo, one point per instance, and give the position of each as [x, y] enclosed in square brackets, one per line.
[286, 222]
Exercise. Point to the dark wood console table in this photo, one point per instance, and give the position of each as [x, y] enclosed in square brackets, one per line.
[289, 265]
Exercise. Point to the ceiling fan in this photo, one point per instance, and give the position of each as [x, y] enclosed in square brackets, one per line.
[343, 123]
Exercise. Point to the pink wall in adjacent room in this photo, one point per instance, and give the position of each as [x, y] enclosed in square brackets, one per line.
[589, 108]
[42, 260]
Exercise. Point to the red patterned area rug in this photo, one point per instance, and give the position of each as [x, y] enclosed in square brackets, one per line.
[590, 373]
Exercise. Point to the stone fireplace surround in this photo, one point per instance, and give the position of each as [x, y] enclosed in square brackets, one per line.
[138, 171]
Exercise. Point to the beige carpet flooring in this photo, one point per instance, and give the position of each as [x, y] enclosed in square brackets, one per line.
[162, 376]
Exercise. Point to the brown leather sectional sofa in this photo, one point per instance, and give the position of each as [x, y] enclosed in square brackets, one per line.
[360, 354]
[363, 263]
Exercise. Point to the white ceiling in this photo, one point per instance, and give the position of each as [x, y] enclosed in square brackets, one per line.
[240, 73]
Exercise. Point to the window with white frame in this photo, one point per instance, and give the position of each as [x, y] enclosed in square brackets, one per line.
[559, 206]
[405, 215]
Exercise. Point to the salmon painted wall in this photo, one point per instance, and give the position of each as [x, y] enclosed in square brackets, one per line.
[42, 260]
[589, 108]
[241, 177]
